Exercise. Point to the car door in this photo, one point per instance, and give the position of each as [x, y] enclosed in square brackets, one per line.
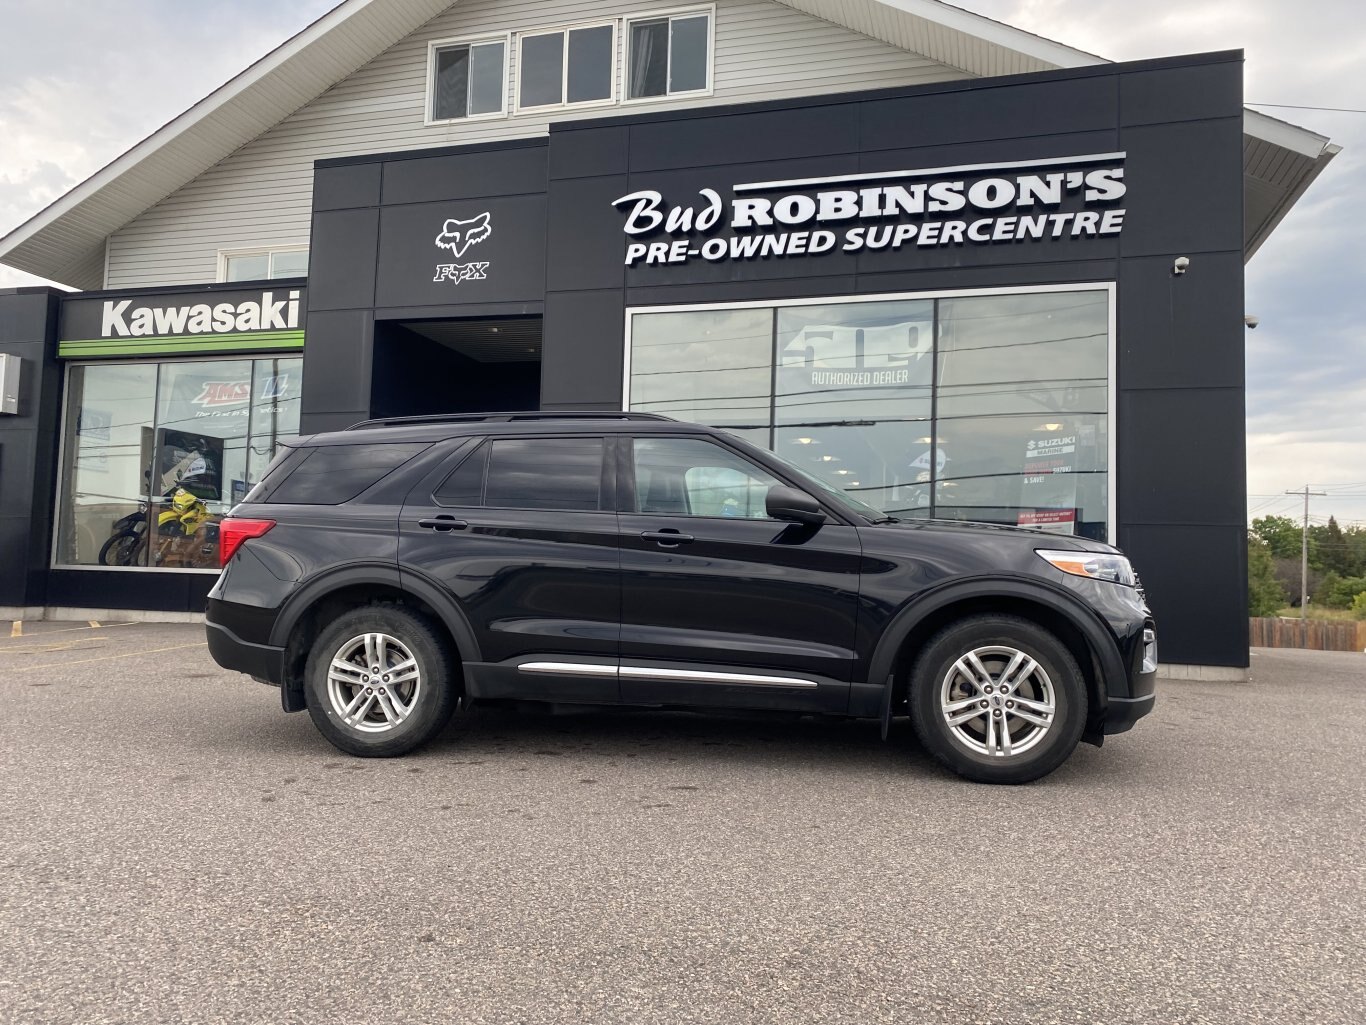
[722, 605]
[519, 532]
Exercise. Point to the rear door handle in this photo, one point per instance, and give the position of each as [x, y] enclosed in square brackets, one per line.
[667, 538]
[443, 524]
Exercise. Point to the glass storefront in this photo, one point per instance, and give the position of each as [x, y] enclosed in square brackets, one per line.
[155, 453]
[992, 408]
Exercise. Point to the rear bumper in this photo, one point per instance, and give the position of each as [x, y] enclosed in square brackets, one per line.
[260, 661]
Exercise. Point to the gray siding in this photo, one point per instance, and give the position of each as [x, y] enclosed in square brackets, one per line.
[261, 194]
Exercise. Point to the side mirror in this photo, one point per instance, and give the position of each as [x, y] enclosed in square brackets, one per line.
[785, 503]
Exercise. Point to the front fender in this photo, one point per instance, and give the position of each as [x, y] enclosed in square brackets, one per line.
[869, 697]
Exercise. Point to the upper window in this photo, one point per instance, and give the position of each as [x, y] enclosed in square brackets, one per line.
[668, 55]
[260, 264]
[466, 79]
[566, 66]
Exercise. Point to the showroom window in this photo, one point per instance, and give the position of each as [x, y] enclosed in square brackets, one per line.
[566, 67]
[987, 407]
[263, 264]
[668, 55]
[154, 454]
[466, 79]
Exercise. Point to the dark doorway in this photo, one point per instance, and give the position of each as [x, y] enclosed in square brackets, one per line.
[423, 367]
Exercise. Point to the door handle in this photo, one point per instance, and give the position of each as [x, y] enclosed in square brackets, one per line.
[443, 524]
[667, 538]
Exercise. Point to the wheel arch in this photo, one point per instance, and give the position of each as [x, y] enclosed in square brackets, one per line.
[1077, 627]
[352, 586]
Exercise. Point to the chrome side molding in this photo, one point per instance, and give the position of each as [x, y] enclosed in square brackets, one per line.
[601, 669]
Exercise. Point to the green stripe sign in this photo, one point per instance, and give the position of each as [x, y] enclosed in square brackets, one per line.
[243, 341]
[182, 321]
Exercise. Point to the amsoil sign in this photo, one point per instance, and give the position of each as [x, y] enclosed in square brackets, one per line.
[209, 321]
[1062, 197]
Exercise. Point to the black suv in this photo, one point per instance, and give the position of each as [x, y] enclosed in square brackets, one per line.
[384, 575]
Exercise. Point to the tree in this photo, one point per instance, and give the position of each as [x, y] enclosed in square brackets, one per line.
[1281, 535]
[1265, 595]
[1329, 550]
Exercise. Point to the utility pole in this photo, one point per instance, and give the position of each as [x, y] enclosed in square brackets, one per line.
[1304, 548]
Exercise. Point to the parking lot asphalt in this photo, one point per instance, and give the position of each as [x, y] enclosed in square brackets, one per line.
[174, 848]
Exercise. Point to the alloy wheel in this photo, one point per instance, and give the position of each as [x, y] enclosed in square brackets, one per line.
[373, 682]
[998, 701]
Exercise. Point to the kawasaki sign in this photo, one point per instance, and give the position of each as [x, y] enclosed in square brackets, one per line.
[217, 320]
[1065, 197]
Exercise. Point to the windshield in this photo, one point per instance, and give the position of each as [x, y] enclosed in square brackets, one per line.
[830, 490]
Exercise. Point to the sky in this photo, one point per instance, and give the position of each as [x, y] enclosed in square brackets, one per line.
[142, 62]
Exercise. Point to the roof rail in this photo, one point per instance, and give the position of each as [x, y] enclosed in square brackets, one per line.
[550, 414]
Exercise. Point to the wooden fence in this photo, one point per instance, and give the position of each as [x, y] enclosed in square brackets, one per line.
[1318, 634]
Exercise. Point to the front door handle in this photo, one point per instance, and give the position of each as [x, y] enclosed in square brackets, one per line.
[667, 538]
[443, 523]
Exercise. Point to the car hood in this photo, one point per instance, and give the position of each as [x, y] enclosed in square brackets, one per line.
[1004, 534]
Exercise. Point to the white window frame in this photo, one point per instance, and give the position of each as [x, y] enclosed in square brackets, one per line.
[564, 104]
[1108, 287]
[441, 44]
[224, 255]
[670, 13]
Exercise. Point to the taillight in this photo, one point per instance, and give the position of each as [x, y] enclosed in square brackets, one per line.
[232, 532]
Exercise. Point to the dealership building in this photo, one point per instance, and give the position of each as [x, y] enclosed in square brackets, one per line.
[959, 269]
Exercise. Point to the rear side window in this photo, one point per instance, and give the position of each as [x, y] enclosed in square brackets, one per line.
[338, 473]
[529, 473]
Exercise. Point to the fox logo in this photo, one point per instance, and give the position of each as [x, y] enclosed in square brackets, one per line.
[457, 236]
[459, 272]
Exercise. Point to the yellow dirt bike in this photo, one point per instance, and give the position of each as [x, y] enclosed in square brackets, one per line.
[180, 515]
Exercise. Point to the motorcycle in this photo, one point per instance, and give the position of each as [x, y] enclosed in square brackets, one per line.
[181, 515]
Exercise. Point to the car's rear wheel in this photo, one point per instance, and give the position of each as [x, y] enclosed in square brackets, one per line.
[998, 699]
[380, 682]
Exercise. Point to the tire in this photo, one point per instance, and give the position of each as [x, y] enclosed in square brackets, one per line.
[1044, 712]
[121, 550]
[386, 714]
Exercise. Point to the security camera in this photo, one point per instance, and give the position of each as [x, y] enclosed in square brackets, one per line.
[1250, 321]
[1180, 264]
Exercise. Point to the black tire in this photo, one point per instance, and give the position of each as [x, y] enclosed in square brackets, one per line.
[964, 748]
[375, 733]
[121, 550]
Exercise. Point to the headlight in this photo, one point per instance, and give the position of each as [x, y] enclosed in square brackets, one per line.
[1096, 565]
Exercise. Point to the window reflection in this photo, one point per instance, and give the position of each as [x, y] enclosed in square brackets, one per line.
[854, 361]
[1023, 354]
[989, 407]
[156, 453]
[711, 367]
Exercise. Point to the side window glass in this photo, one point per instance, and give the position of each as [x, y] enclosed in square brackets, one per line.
[693, 477]
[336, 474]
[465, 486]
[545, 473]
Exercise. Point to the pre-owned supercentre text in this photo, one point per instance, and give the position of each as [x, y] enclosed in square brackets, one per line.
[991, 210]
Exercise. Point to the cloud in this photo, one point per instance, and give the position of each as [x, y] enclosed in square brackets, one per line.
[141, 63]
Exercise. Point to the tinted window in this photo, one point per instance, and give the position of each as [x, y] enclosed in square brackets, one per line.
[545, 473]
[465, 485]
[542, 70]
[328, 476]
[692, 477]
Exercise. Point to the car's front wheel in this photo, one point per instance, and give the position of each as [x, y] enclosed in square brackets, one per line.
[380, 682]
[998, 699]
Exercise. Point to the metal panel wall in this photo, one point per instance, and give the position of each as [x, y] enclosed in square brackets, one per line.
[261, 194]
